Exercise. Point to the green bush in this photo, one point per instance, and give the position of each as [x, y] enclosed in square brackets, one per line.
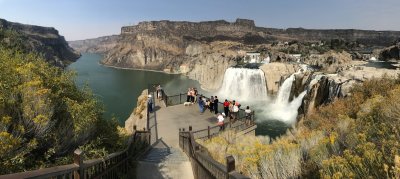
[44, 117]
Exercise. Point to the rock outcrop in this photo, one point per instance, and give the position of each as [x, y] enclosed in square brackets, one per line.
[390, 53]
[41, 40]
[330, 62]
[138, 116]
[274, 72]
[325, 88]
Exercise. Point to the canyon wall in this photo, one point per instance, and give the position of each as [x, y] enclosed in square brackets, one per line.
[41, 40]
[204, 50]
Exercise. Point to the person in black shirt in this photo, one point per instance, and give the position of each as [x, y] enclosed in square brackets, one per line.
[216, 105]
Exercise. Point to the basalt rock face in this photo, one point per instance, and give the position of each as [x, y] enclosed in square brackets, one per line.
[390, 53]
[42, 40]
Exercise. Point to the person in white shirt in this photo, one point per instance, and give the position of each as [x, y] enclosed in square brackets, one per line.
[247, 112]
[221, 120]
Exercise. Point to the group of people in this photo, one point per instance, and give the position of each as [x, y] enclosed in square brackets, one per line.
[231, 108]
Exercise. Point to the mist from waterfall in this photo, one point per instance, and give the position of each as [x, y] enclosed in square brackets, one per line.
[244, 84]
[284, 90]
[248, 86]
[281, 108]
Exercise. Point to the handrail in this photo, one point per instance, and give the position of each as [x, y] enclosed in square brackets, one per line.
[204, 166]
[84, 169]
[107, 167]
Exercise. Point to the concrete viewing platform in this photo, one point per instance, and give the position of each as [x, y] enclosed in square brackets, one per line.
[165, 159]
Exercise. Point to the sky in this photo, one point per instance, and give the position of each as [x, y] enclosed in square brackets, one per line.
[83, 19]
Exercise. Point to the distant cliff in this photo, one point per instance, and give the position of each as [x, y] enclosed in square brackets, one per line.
[203, 50]
[42, 40]
[95, 45]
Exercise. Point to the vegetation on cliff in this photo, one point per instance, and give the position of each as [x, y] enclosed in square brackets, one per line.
[353, 137]
[45, 41]
[44, 117]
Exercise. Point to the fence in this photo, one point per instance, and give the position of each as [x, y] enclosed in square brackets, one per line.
[112, 166]
[203, 166]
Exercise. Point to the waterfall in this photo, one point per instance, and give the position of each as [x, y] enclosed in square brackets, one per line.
[282, 109]
[284, 90]
[244, 84]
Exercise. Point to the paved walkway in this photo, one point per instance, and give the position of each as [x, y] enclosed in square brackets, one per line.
[166, 159]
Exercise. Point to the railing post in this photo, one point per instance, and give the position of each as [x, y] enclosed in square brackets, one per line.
[78, 160]
[190, 128]
[180, 98]
[252, 118]
[208, 132]
[230, 164]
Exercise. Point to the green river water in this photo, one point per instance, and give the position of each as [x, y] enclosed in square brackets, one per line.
[119, 89]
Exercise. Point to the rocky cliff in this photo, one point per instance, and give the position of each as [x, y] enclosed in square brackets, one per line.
[203, 50]
[42, 40]
[325, 88]
[96, 45]
[274, 72]
[390, 53]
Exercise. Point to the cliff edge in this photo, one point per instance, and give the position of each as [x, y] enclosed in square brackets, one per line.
[42, 40]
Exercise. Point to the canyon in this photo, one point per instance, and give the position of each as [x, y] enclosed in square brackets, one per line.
[204, 51]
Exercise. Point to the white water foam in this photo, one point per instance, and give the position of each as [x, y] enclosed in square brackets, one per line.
[249, 86]
[244, 84]
[282, 109]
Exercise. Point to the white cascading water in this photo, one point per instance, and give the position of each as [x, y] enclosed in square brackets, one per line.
[244, 84]
[249, 85]
[282, 109]
[284, 90]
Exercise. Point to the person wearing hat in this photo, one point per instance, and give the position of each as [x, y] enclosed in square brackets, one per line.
[149, 103]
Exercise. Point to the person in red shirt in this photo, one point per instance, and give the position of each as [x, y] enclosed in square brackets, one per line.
[226, 107]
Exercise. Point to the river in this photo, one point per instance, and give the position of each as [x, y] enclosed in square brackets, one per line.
[119, 89]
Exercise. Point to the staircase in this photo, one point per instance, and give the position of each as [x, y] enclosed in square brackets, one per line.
[163, 161]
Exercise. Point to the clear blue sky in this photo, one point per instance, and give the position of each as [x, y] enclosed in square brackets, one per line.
[82, 19]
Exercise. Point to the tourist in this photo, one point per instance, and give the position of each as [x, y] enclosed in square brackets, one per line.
[216, 105]
[201, 104]
[188, 95]
[192, 95]
[247, 112]
[159, 92]
[196, 93]
[226, 107]
[205, 101]
[235, 109]
[211, 106]
[231, 111]
[149, 103]
[221, 120]
[207, 106]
